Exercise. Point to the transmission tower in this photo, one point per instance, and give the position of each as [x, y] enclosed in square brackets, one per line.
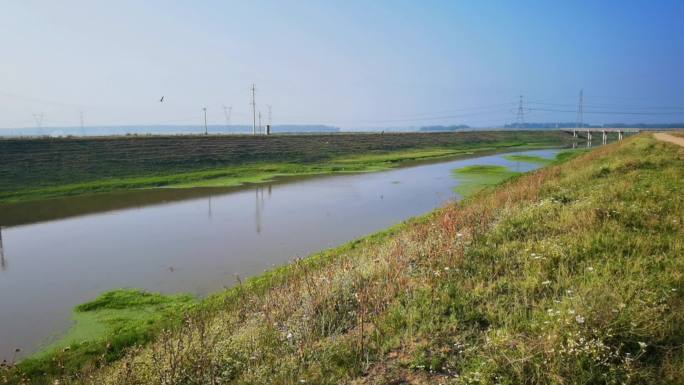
[580, 110]
[39, 119]
[520, 118]
[227, 111]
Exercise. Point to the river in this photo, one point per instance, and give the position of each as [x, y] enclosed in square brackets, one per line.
[59, 254]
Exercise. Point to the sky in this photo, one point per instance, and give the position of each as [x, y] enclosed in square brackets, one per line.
[353, 64]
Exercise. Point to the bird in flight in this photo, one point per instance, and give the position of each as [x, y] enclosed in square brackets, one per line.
[161, 100]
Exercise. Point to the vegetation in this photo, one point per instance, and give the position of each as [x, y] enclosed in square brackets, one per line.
[105, 327]
[568, 275]
[474, 178]
[529, 159]
[35, 169]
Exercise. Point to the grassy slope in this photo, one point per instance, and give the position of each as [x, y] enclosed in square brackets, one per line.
[37, 169]
[571, 275]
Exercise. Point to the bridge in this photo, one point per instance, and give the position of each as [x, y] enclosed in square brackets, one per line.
[603, 130]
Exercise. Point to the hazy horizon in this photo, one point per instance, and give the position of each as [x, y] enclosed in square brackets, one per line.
[352, 65]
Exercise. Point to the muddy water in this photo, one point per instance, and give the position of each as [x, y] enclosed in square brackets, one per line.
[57, 255]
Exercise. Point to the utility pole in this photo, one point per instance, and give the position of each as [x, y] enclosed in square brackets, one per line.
[206, 130]
[227, 111]
[580, 110]
[520, 118]
[81, 116]
[253, 109]
[260, 127]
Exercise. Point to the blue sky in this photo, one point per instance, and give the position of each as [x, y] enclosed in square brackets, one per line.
[353, 64]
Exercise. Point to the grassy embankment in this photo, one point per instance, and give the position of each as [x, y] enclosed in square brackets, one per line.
[36, 169]
[571, 274]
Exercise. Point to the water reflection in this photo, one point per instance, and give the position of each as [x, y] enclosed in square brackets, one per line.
[259, 205]
[3, 263]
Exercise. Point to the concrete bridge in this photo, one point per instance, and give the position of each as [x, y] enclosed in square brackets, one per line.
[603, 130]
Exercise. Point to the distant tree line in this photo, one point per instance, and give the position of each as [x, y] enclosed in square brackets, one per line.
[445, 128]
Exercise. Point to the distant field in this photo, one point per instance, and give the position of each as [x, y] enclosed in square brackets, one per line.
[46, 167]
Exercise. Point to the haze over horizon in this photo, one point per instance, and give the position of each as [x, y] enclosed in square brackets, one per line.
[351, 64]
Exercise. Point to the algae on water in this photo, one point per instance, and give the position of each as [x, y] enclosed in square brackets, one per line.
[476, 177]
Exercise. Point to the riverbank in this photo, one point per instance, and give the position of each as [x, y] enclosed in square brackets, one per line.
[39, 169]
[569, 274]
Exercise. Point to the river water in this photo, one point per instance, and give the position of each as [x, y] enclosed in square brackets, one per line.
[59, 254]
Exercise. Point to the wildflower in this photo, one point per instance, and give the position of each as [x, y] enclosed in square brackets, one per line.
[590, 268]
[545, 283]
[446, 268]
[534, 254]
[579, 319]
[643, 345]
[459, 235]
[571, 311]
[289, 335]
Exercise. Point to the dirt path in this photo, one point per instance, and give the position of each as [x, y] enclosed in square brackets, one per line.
[669, 138]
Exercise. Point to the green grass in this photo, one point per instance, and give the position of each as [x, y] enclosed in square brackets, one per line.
[105, 327]
[38, 169]
[571, 274]
[474, 178]
[529, 159]
[477, 177]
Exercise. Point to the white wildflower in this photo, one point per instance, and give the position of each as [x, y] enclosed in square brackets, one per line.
[545, 283]
[459, 235]
[579, 319]
[590, 268]
[643, 345]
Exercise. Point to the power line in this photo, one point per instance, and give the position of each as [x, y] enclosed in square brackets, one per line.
[608, 112]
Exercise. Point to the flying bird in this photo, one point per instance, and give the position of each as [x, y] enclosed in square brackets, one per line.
[161, 100]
